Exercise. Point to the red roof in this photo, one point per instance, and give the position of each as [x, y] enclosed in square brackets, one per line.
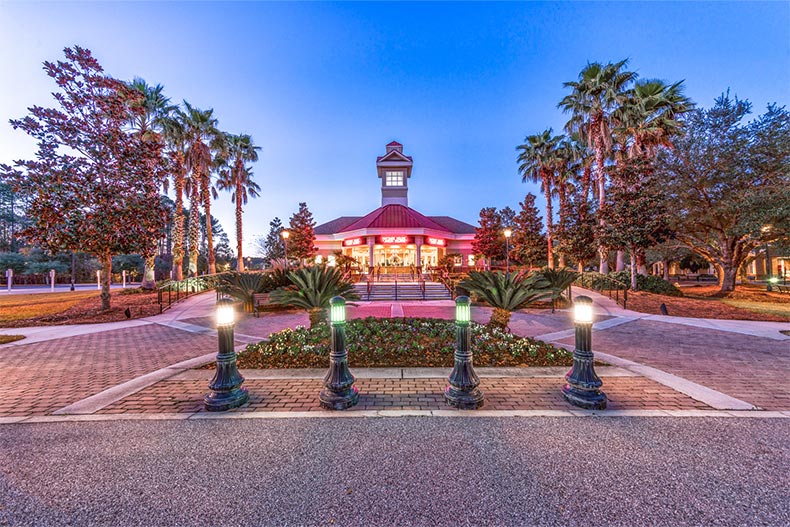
[395, 217]
[394, 143]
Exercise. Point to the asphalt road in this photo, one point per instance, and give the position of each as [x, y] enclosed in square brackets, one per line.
[398, 471]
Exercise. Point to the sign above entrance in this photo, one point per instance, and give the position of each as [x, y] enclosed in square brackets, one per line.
[395, 240]
[352, 242]
[439, 242]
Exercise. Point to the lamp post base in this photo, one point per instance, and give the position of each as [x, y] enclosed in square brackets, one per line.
[463, 399]
[221, 401]
[338, 400]
[586, 399]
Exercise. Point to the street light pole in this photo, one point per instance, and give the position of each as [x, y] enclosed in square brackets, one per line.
[339, 391]
[463, 391]
[508, 234]
[285, 235]
[584, 386]
[226, 390]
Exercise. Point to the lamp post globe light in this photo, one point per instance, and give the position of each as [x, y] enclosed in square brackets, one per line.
[463, 391]
[339, 391]
[508, 234]
[226, 390]
[583, 388]
[285, 235]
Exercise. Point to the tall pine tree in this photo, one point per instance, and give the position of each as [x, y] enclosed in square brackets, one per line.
[301, 243]
[272, 246]
[489, 241]
[528, 244]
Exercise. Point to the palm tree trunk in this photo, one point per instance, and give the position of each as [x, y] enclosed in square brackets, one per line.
[206, 194]
[149, 277]
[500, 318]
[603, 266]
[194, 218]
[549, 220]
[178, 222]
[634, 286]
[239, 256]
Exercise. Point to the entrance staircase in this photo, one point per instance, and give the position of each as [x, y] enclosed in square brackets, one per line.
[397, 290]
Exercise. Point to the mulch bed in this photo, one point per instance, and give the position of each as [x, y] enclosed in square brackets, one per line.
[705, 302]
[89, 311]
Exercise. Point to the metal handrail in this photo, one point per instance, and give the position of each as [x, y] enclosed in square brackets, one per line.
[587, 280]
[183, 289]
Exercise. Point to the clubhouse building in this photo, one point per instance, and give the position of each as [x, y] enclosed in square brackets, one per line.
[394, 237]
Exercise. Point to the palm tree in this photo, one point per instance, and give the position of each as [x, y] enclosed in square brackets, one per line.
[538, 162]
[175, 137]
[593, 104]
[506, 293]
[200, 129]
[236, 178]
[570, 163]
[149, 124]
[649, 118]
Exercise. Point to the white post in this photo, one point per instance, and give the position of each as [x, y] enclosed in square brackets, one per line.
[9, 276]
[98, 280]
[52, 280]
[123, 274]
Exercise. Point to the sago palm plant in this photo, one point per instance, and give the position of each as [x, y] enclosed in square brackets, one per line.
[506, 293]
[558, 281]
[313, 288]
[242, 286]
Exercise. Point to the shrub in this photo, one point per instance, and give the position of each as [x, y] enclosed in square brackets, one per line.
[373, 342]
[506, 293]
[313, 288]
[649, 283]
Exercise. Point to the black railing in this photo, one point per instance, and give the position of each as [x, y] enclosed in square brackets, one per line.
[173, 292]
[614, 289]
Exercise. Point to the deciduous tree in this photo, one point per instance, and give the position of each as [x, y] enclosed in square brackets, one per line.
[91, 182]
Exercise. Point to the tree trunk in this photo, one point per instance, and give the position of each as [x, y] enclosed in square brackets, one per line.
[149, 278]
[634, 285]
[562, 261]
[106, 270]
[665, 268]
[194, 228]
[317, 315]
[178, 227]
[212, 268]
[603, 266]
[500, 318]
[641, 262]
[549, 219]
[239, 256]
[619, 264]
[580, 267]
[727, 275]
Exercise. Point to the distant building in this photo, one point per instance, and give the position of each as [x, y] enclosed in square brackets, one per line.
[394, 235]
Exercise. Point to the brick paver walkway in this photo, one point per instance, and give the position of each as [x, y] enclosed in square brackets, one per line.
[43, 377]
[624, 393]
[749, 368]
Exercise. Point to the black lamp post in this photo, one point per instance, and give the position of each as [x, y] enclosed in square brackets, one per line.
[583, 388]
[285, 235]
[463, 391]
[508, 234]
[226, 390]
[339, 391]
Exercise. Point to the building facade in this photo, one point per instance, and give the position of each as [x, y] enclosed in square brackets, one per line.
[395, 237]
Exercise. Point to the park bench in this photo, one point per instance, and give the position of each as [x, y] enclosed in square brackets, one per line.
[260, 302]
[781, 288]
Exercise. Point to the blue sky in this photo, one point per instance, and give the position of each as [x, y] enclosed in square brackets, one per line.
[322, 87]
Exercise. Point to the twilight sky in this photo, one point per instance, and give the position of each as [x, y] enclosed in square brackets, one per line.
[322, 87]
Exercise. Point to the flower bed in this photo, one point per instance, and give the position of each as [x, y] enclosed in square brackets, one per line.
[412, 342]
